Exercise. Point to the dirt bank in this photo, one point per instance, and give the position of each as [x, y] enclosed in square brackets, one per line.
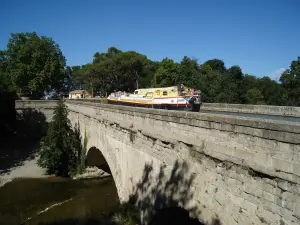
[29, 168]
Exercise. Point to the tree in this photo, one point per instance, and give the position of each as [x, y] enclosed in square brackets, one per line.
[91, 77]
[58, 154]
[34, 64]
[111, 52]
[236, 73]
[7, 93]
[166, 74]
[273, 92]
[254, 96]
[148, 72]
[210, 86]
[77, 77]
[216, 64]
[290, 80]
[189, 74]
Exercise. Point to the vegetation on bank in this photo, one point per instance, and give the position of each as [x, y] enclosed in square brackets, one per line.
[124, 214]
[61, 152]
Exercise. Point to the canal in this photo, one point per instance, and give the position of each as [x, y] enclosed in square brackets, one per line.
[54, 201]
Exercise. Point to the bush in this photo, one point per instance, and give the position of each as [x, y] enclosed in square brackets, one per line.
[126, 214]
[58, 153]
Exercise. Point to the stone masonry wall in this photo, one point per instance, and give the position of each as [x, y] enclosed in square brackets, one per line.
[254, 109]
[220, 168]
[46, 107]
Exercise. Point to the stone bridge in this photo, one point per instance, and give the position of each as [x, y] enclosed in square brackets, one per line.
[221, 169]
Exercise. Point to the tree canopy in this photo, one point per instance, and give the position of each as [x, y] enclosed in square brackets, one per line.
[36, 65]
[117, 70]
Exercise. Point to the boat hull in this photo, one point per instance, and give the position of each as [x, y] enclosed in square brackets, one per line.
[181, 107]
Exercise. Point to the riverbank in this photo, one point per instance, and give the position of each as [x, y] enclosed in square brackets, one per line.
[92, 172]
[28, 169]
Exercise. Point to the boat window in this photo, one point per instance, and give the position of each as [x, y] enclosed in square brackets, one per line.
[136, 92]
[165, 93]
[149, 94]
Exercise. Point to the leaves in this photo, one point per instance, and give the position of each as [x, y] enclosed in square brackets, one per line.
[60, 149]
[34, 64]
[290, 80]
[166, 74]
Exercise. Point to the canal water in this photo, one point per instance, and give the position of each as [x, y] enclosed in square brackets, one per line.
[55, 201]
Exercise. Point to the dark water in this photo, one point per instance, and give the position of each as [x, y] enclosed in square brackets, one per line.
[23, 201]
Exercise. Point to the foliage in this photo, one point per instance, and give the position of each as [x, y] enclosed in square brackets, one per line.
[34, 64]
[126, 214]
[216, 64]
[290, 80]
[115, 70]
[7, 93]
[82, 155]
[77, 143]
[254, 96]
[58, 154]
[166, 74]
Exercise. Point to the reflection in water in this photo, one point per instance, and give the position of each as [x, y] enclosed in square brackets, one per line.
[53, 200]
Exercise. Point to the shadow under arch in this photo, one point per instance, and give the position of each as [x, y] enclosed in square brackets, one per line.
[174, 216]
[96, 158]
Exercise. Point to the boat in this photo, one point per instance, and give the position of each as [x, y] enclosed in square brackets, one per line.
[171, 98]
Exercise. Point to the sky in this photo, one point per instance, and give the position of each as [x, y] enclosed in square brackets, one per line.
[261, 36]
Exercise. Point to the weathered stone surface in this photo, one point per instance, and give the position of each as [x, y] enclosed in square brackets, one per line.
[235, 170]
[255, 109]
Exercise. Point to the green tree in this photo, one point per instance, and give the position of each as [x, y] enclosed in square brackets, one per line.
[254, 96]
[82, 158]
[290, 80]
[189, 73]
[90, 73]
[216, 64]
[77, 77]
[58, 153]
[236, 73]
[210, 86]
[229, 87]
[7, 93]
[273, 92]
[149, 70]
[166, 74]
[111, 52]
[34, 64]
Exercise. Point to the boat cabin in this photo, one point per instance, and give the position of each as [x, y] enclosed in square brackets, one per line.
[164, 92]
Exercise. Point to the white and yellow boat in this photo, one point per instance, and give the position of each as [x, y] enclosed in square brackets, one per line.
[175, 97]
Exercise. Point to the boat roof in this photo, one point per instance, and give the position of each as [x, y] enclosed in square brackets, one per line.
[159, 88]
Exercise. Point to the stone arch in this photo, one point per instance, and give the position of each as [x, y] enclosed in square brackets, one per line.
[96, 158]
[99, 155]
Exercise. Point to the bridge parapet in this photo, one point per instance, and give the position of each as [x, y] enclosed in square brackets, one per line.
[245, 170]
[253, 109]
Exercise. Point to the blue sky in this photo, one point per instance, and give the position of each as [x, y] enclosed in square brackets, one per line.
[261, 36]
